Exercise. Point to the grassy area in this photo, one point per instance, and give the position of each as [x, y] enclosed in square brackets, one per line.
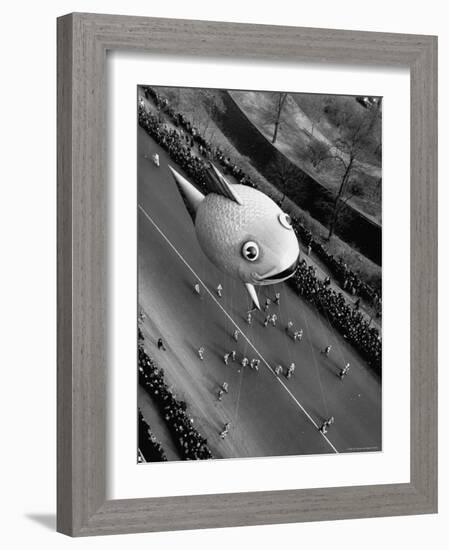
[310, 120]
[315, 105]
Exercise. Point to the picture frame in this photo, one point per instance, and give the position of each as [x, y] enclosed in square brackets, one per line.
[82, 506]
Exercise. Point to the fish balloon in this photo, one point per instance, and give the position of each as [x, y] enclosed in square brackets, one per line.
[242, 231]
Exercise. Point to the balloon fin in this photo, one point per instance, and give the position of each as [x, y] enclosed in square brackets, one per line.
[191, 196]
[221, 186]
[252, 292]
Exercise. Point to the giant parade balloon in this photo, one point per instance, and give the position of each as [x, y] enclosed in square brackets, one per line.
[242, 231]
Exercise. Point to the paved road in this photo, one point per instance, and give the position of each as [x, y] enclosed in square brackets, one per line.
[269, 415]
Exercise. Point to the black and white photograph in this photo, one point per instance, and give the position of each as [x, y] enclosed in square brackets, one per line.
[259, 273]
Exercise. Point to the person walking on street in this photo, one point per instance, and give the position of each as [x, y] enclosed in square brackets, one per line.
[236, 335]
[224, 432]
[326, 424]
[290, 370]
[226, 358]
[160, 344]
[344, 371]
[327, 350]
[278, 370]
[201, 353]
[219, 291]
[255, 364]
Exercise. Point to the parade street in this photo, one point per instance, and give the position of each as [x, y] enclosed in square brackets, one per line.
[269, 414]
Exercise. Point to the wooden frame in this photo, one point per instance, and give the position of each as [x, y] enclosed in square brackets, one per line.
[83, 40]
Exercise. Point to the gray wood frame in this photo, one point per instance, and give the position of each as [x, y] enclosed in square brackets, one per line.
[83, 40]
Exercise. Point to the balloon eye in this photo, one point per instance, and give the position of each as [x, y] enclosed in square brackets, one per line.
[250, 251]
[285, 220]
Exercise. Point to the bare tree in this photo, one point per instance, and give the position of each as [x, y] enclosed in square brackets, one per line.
[279, 104]
[344, 156]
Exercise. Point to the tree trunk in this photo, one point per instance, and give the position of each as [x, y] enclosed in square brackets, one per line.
[275, 133]
[281, 100]
[338, 197]
[334, 220]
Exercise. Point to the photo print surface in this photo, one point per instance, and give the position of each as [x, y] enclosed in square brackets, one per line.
[259, 274]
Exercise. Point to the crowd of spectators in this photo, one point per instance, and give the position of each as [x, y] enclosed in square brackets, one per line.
[178, 145]
[190, 444]
[150, 448]
[346, 318]
[345, 277]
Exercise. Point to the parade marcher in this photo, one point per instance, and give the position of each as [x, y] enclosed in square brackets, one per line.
[327, 350]
[236, 335]
[344, 371]
[140, 336]
[277, 298]
[245, 361]
[273, 319]
[233, 354]
[142, 316]
[225, 387]
[267, 304]
[220, 394]
[160, 344]
[326, 424]
[289, 327]
[224, 432]
[290, 370]
[201, 353]
[219, 291]
[278, 370]
[255, 364]
[197, 289]
[297, 335]
[226, 358]
[155, 159]
[249, 318]
[266, 321]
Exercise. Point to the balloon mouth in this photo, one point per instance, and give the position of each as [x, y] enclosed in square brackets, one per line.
[277, 277]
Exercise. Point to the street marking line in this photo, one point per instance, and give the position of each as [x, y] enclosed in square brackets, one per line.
[235, 324]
